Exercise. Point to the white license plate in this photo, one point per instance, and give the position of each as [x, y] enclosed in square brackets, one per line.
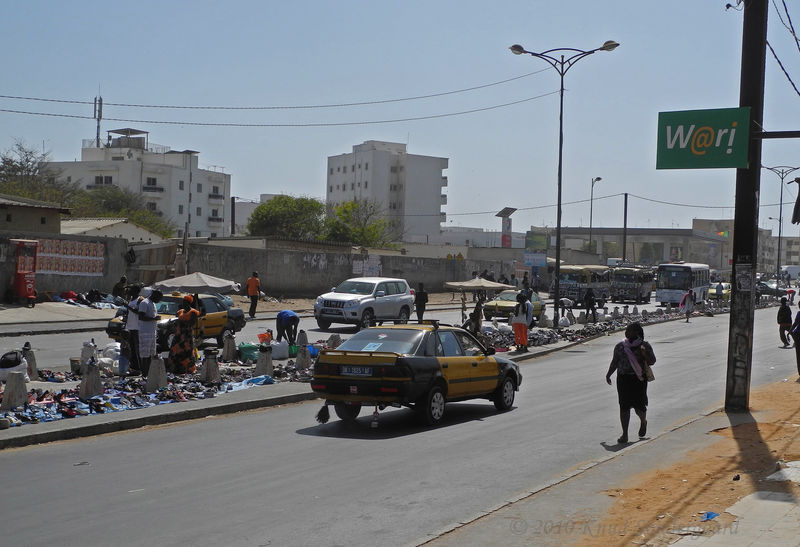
[349, 370]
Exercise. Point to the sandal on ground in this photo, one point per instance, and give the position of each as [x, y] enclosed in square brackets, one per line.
[643, 429]
[622, 440]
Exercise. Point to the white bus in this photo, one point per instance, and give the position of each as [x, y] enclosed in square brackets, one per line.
[673, 280]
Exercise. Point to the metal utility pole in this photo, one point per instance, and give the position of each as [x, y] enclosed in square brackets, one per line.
[98, 115]
[625, 230]
[745, 223]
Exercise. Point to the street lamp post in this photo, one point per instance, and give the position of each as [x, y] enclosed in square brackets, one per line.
[591, 204]
[561, 59]
[782, 171]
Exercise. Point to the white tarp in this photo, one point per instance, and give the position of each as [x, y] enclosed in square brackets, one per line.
[198, 282]
[477, 285]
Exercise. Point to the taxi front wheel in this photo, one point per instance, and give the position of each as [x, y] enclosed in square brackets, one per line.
[431, 406]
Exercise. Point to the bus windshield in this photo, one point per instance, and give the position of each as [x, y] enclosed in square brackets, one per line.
[674, 278]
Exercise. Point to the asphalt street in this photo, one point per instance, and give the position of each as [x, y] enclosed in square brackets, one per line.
[276, 477]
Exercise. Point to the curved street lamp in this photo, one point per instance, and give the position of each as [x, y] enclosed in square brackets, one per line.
[782, 171]
[591, 204]
[561, 59]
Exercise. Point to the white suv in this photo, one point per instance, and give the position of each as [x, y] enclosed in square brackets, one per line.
[364, 300]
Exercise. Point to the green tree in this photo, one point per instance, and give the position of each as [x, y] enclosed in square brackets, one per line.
[24, 173]
[287, 216]
[360, 222]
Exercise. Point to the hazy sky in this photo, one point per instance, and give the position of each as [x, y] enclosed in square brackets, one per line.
[674, 55]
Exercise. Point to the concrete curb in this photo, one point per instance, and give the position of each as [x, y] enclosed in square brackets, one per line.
[135, 419]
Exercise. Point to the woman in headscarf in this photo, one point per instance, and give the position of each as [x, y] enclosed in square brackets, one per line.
[629, 356]
[181, 352]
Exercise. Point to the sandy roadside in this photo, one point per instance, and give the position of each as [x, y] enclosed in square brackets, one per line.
[713, 478]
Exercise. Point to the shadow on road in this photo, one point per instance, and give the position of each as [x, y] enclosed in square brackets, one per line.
[399, 422]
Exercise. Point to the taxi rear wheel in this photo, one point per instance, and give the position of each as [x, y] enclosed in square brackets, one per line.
[504, 396]
[347, 413]
[431, 406]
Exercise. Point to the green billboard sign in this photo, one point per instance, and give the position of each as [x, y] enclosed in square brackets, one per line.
[703, 139]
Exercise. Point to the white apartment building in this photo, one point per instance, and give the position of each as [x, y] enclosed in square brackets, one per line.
[409, 187]
[174, 187]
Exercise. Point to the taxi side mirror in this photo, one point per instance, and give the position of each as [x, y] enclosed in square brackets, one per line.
[490, 351]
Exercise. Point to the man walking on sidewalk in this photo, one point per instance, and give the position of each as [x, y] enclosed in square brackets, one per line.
[784, 321]
[253, 285]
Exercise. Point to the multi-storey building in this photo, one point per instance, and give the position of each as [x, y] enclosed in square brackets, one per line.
[174, 187]
[407, 187]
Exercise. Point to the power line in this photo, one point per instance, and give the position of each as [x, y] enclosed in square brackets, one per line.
[287, 107]
[296, 124]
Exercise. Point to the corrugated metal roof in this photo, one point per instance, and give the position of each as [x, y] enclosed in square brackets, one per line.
[80, 225]
[6, 199]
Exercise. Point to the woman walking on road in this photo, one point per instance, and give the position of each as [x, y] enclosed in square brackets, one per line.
[523, 315]
[687, 303]
[629, 356]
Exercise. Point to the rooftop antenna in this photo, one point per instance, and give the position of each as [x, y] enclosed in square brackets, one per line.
[98, 115]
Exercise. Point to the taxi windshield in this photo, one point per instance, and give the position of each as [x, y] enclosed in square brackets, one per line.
[403, 341]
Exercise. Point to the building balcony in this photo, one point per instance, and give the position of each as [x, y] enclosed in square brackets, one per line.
[216, 197]
[444, 199]
[444, 182]
[216, 219]
[153, 189]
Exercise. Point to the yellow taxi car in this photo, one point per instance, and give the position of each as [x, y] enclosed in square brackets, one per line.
[420, 366]
[503, 305]
[715, 294]
[215, 320]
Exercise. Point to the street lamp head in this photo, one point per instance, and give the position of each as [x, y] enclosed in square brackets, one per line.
[609, 45]
[597, 179]
[517, 49]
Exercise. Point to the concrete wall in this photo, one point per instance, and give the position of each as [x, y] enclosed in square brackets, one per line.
[308, 273]
[31, 219]
[113, 264]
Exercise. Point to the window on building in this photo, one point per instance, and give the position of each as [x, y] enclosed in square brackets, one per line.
[107, 179]
[359, 185]
[400, 168]
[190, 197]
[337, 169]
[151, 206]
[98, 179]
[199, 211]
[214, 213]
[366, 166]
[69, 179]
[366, 182]
[352, 185]
[215, 190]
[180, 185]
[180, 233]
[43, 220]
[393, 169]
[353, 168]
[180, 209]
[330, 188]
[117, 158]
[151, 181]
[197, 233]
[199, 188]
[8, 217]
[359, 166]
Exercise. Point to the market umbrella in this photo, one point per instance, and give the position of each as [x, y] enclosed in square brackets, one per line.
[197, 282]
[477, 285]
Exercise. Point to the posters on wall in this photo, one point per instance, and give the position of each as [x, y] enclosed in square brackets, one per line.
[371, 267]
[66, 257]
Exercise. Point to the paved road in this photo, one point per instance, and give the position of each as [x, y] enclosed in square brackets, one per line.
[275, 477]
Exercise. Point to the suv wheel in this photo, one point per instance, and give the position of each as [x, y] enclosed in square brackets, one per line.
[402, 319]
[367, 318]
[324, 324]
